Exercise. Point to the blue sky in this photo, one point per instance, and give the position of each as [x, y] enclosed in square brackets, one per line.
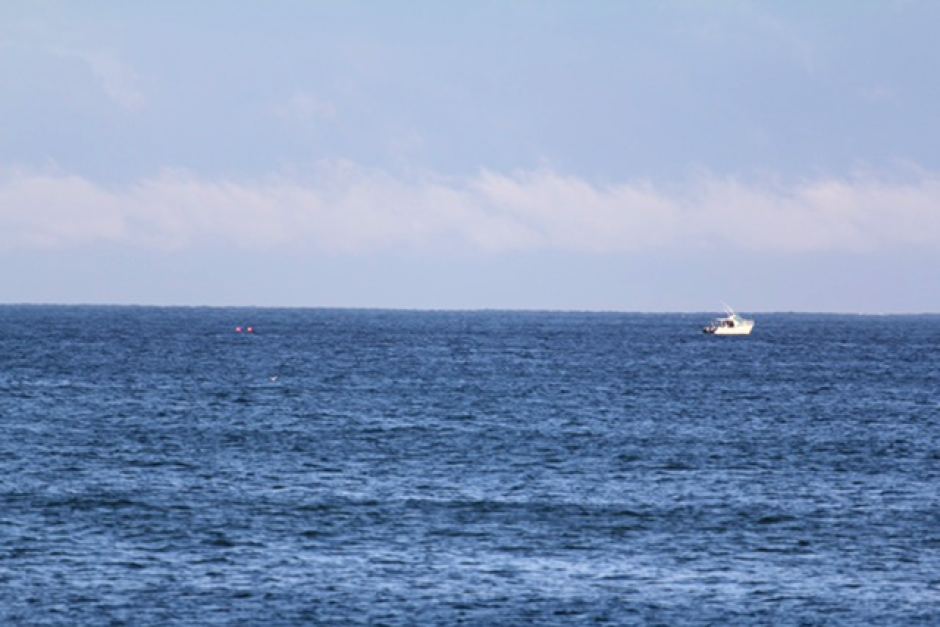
[545, 155]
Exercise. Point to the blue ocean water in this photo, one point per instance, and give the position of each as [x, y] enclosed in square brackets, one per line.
[383, 467]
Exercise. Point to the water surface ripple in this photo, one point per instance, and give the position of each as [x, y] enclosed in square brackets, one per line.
[379, 467]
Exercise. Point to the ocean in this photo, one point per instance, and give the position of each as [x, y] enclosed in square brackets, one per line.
[400, 467]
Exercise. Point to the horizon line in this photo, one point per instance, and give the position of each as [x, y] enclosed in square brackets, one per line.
[466, 309]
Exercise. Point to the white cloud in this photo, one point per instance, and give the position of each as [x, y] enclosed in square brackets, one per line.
[343, 208]
[119, 81]
[44, 212]
[305, 109]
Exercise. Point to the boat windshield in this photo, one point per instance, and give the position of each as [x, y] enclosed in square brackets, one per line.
[725, 322]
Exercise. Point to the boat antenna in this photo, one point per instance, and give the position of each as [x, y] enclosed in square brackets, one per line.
[728, 309]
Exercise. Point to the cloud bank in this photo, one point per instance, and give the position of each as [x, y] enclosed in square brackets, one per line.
[341, 208]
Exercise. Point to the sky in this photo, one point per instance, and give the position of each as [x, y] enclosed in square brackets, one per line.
[597, 155]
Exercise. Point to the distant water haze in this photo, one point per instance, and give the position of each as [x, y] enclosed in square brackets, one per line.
[532, 281]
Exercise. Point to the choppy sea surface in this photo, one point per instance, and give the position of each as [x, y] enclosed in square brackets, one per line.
[389, 467]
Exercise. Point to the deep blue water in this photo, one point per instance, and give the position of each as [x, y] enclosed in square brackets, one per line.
[382, 467]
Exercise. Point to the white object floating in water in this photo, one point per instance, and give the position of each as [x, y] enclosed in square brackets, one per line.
[732, 324]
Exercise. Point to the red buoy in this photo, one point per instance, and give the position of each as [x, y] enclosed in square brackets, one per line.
[238, 329]
[250, 329]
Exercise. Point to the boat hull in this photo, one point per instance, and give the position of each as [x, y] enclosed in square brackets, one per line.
[741, 329]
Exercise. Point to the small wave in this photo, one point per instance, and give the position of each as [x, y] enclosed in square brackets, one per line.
[775, 519]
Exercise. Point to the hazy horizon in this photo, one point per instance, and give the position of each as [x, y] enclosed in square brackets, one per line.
[703, 312]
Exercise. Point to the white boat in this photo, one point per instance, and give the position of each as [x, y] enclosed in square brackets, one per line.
[731, 324]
